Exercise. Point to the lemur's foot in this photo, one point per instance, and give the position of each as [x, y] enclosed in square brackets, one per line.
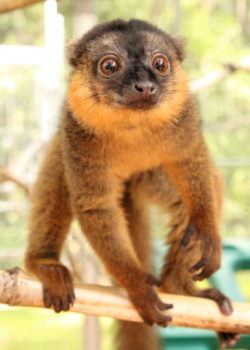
[221, 299]
[225, 305]
[228, 339]
[147, 302]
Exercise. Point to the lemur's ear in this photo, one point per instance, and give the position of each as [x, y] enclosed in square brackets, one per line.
[179, 47]
[72, 52]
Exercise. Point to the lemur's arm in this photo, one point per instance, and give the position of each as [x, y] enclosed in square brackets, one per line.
[49, 222]
[197, 194]
[95, 194]
[191, 170]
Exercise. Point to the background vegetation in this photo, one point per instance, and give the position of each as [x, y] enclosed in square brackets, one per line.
[216, 33]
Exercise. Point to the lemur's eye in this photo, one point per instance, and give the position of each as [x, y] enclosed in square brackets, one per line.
[161, 64]
[109, 65]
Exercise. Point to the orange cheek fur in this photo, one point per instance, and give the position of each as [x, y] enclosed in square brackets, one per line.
[102, 118]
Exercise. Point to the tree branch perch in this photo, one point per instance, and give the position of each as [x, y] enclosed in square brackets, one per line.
[10, 5]
[220, 75]
[5, 175]
[18, 288]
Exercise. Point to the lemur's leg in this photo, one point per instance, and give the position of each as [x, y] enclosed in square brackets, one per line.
[157, 187]
[132, 335]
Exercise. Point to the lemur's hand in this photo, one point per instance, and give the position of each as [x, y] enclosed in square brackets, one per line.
[58, 290]
[210, 243]
[147, 303]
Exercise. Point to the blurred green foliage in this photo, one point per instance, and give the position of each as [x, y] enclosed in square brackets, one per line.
[25, 323]
[23, 27]
[44, 329]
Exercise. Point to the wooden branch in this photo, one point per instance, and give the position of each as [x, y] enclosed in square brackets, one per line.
[217, 76]
[10, 5]
[18, 288]
[5, 175]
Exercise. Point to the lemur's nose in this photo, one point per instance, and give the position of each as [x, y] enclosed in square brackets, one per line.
[145, 89]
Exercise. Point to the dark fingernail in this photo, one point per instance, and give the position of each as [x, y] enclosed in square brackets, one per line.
[71, 299]
[226, 307]
[197, 266]
[158, 283]
[191, 269]
[47, 300]
[187, 235]
[47, 303]
[148, 322]
[198, 278]
[185, 241]
[57, 305]
[66, 306]
[164, 306]
[164, 321]
[57, 308]
[169, 306]
[152, 280]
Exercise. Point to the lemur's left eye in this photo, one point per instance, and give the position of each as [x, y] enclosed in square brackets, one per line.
[109, 65]
[161, 64]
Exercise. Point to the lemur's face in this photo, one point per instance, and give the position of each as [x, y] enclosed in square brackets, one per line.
[127, 64]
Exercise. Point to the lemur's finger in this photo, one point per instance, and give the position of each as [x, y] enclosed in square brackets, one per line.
[189, 235]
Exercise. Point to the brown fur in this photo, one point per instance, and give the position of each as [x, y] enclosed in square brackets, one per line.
[104, 165]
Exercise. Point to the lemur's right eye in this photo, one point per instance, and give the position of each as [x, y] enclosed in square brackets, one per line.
[109, 65]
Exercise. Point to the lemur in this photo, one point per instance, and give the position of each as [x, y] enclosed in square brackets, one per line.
[130, 134]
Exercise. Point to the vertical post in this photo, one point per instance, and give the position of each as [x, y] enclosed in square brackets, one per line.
[52, 75]
[85, 16]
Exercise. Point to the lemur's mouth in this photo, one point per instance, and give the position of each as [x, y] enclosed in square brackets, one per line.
[137, 103]
[141, 104]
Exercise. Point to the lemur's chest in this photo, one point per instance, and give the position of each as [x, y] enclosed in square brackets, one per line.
[136, 155]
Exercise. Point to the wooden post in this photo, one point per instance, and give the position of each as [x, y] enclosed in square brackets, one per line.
[51, 89]
[18, 288]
